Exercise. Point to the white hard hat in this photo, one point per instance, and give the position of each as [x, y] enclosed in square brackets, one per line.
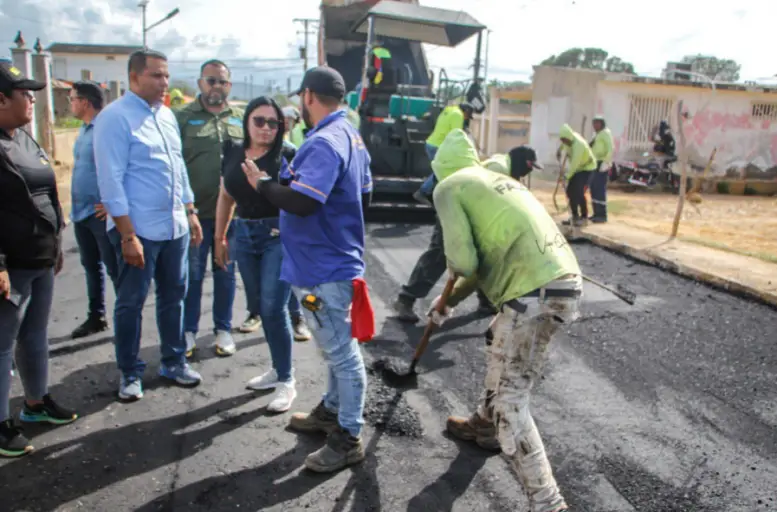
[290, 112]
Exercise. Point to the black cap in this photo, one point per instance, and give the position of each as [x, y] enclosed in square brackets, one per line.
[323, 80]
[520, 155]
[12, 78]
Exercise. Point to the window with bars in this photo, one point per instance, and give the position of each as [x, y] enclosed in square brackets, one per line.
[645, 112]
[765, 111]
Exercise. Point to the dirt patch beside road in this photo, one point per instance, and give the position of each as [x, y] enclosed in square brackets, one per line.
[745, 225]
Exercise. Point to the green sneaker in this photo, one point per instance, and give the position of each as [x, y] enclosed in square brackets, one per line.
[47, 412]
[12, 442]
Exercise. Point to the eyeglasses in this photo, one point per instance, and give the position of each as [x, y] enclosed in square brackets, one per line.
[212, 81]
[261, 121]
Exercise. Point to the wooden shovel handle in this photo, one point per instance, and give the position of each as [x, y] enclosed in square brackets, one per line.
[446, 293]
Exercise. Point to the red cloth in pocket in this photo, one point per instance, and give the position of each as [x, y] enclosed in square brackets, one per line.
[362, 314]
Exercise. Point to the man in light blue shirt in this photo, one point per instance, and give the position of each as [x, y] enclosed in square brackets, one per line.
[145, 190]
[97, 253]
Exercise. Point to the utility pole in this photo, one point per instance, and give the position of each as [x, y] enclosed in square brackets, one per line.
[485, 67]
[303, 51]
[143, 4]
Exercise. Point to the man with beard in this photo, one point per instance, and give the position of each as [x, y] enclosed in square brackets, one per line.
[205, 124]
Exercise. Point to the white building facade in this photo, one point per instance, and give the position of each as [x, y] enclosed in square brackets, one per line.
[105, 62]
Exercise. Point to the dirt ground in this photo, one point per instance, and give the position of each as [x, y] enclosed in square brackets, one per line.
[742, 224]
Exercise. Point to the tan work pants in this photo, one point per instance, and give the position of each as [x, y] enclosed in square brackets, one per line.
[516, 358]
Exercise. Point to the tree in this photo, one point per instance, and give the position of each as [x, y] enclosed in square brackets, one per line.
[589, 58]
[184, 87]
[725, 70]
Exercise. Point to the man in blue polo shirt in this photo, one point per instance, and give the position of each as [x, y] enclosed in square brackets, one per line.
[322, 232]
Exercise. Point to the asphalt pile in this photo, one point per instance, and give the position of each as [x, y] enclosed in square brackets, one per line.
[387, 409]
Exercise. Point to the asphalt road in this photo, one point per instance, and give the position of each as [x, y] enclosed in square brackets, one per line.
[669, 405]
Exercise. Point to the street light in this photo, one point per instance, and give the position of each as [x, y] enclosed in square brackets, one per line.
[143, 4]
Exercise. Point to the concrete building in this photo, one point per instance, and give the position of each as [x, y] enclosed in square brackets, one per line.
[740, 120]
[105, 62]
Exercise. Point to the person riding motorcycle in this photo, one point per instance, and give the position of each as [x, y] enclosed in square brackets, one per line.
[665, 145]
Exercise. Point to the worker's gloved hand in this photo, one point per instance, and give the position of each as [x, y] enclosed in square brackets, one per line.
[436, 317]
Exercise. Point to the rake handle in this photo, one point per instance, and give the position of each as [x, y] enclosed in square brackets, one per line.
[419, 351]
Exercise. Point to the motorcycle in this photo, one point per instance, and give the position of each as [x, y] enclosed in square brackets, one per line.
[647, 173]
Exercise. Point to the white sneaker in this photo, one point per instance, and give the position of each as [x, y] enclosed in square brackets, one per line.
[191, 344]
[225, 345]
[268, 380]
[283, 398]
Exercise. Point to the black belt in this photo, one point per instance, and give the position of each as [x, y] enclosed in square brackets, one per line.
[520, 307]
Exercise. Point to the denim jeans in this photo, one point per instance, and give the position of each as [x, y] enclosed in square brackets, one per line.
[167, 263]
[295, 309]
[428, 186]
[223, 283]
[98, 257]
[259, 255]
[26, 326]
[331, 328]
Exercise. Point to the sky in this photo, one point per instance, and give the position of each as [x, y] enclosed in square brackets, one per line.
[522, 35]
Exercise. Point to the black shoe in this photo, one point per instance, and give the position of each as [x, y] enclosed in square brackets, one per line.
[486, 309]
[47, 412]
[12, 442]
[92, 325]
[404, 310]
[598, 220]
[567, 222]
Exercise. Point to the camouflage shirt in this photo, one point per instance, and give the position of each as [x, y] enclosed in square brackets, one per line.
[202, 135]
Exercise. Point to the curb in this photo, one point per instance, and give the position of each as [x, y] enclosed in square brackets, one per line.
[697, 274]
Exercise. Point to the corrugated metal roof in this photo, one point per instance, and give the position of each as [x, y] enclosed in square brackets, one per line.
[93, 49]
[412, 22]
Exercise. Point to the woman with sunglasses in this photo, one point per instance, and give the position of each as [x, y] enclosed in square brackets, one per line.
[257, 244]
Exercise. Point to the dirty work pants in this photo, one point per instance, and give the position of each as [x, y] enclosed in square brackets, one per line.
[576, 194]
[598, 188]
[515, 359]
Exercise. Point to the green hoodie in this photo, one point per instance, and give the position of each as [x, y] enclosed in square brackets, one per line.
[497, 235]
[581, 158]
[498, 163]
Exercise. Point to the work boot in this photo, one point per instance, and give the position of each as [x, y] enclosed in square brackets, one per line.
[598, 220]
[92, 325]
[404, 310]
[341, 450]
[474, 428]
[580, 223]
[319, 419]
[300, 329]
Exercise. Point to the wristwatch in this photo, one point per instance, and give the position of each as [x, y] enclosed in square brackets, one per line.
[192, 211]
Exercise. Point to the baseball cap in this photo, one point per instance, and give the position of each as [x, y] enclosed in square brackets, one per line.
[12, 78]
[323, 80]
[526, 154]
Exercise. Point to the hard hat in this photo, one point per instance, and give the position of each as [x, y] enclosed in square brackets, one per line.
[290, 112]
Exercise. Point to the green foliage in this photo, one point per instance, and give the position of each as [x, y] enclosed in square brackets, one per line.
[68, 122]
[750, 191]
[589, 58]
[722, 187]
[724, 70]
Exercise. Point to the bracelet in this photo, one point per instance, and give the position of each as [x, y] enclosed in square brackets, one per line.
[128, 239]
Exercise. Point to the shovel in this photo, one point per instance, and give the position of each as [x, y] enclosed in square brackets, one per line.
[404, 377]
[624, 294]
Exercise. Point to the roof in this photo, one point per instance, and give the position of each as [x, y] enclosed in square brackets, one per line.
[413, 22]
[93, 49]
[701, 84]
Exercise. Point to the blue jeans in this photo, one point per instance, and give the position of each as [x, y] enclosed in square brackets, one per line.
[428, 186]
[223, 283]
[331, 327]
[167, 263]
[26, 326]
[98, 258]
[259, 255]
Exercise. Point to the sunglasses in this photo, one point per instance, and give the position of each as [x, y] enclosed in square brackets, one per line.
[261, 121]
[213, 81]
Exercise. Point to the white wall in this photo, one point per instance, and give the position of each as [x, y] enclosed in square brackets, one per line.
[726, 123]
[68, 66]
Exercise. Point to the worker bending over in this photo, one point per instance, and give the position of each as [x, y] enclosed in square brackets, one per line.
[499, 236]
[581, 164]
[602, 148]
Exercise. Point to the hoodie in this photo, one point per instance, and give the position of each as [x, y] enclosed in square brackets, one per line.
[581, 158]
[496, 234]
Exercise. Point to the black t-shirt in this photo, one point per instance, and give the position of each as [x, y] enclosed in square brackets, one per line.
[250, 204]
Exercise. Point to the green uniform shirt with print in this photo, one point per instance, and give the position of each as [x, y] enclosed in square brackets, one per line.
[203, 134]
[602, 147]
[580, 158]
[497, 235]
[451, 118]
